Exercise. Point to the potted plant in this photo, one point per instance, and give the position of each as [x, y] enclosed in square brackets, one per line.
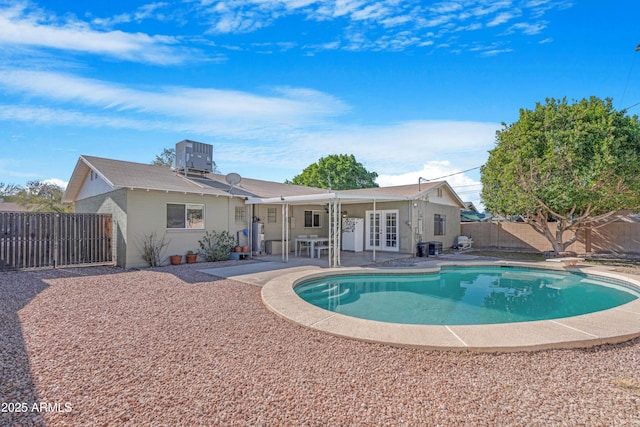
[176, 259]
[191, 257]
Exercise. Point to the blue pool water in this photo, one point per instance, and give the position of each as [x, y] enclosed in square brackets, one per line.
[466, 296]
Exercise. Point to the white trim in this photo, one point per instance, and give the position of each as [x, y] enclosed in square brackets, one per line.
[201, 206]
[323, 198]
[382, 231]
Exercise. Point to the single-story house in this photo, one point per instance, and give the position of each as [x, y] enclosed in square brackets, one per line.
[144, 198]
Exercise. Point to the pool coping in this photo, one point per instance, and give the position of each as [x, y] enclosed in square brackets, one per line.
[612, 326]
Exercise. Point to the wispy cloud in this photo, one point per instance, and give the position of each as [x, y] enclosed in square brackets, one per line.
[21, 24]
[223, 112]
[385, 24]
[283, 128]
[527, 28]
[501, 18]
[356, 25]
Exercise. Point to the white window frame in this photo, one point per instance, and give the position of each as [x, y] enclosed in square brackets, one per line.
[240, 214]
[315, 215]
[272, 215]
[187, 207]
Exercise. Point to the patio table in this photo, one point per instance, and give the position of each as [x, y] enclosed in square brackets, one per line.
[312, 241]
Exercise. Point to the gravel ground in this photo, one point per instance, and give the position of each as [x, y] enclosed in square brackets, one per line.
[172, 346]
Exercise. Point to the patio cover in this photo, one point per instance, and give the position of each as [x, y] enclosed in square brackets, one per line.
[334, 200]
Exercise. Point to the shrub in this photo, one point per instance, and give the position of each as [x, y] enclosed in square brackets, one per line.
[152, 247]
[215, 246]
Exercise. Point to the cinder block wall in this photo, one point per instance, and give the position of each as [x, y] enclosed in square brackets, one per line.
[515, 236]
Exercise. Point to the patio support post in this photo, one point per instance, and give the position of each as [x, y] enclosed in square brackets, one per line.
[374, 229]
[337, 214]
[285, 247]
[330, 233]
[249, 230]
[335, 209]
[284, 225]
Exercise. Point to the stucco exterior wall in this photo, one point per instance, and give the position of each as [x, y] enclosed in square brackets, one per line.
[139, 212]
[147, 213]
[452, 224]
[410, 229]
[273, 225]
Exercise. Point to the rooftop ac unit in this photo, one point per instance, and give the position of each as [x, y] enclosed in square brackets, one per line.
[193, 156]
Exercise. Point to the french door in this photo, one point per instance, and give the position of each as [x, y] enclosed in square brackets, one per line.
[382, 230]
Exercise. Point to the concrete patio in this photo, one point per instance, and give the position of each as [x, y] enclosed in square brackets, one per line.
[260, 269]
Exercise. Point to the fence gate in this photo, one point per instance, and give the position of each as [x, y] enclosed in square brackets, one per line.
[37, 240]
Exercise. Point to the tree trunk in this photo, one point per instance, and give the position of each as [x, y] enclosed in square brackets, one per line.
[540, 224]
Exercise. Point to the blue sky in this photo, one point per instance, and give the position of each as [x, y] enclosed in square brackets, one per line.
[412, 89]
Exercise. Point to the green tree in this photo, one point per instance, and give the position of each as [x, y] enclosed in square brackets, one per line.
[9, 191]
[574, 165]
[41, 196]
[338, 172]
[166, 158]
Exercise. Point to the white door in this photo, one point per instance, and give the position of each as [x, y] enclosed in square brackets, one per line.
[382, 230]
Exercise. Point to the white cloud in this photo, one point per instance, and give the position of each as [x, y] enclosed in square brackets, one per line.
[33, 28]
[362, 25]
[527, 28]
[501, 18]
[287, 129]
[393, 149]
[216, 111]
[56, 181]
[467, 188]
[144, 12]
[383, 24]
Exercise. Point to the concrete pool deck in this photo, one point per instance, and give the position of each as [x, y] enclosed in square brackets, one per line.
[277, 279]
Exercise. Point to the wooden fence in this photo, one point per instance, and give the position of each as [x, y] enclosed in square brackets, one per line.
[37, 240]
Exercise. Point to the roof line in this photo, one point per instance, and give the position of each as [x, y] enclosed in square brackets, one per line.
[93, 168]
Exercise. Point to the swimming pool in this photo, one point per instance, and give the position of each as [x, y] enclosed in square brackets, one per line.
[607, 326]
[466, 295]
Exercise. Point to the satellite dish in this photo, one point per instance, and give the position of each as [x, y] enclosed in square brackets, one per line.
[232, 179]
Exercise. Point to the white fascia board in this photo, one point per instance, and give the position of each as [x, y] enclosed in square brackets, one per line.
[368, 197]
[321, 198]
[308, 198]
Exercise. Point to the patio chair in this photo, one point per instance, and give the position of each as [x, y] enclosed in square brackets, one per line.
[306, 246]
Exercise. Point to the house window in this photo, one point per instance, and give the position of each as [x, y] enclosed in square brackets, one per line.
[312, 219]
[272, 215]
[439, 192]
[439, 225]
[180, 215]
[241, 214]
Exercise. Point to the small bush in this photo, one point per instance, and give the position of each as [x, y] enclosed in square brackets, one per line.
[215, 246]
[152, 247]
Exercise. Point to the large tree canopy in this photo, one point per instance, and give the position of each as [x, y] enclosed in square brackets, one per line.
[41, 196]
[338, 172]
[573, 164]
